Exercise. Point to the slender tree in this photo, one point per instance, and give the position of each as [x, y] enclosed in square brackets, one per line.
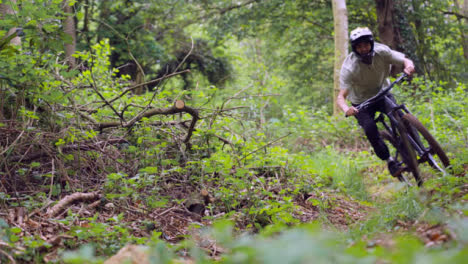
[6, 9]
[70, 30]
[464, 25]
[340, 17]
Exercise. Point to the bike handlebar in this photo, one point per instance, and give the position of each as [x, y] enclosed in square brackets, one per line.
[380, 94]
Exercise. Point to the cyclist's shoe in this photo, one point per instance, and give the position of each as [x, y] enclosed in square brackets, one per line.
[394, 168]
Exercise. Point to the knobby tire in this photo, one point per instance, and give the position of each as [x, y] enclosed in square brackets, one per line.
[434, 146]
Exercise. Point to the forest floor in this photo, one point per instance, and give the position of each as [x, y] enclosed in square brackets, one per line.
[336, 211]
[40, 221]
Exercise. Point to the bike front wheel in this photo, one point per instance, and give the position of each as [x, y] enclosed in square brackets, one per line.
[428, 149]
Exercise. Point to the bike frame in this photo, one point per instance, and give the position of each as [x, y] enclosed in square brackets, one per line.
[392, 110]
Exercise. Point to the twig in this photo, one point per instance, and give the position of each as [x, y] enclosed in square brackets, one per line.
[165, 212]
[93, 85]
[55, 241]
[458, 15]
[255, 95]
[225, 141]
[13, 143]
[39, 210]
[52, 179]
[146, 83]
[67, 148]
[234, 96]
[8, 256]
[186, 56]
[154, 94]
[266, 145]
[229, 8]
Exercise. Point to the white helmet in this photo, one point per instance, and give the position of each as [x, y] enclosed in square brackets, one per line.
[359, 35]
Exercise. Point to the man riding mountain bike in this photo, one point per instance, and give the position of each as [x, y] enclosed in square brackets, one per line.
[363, 74]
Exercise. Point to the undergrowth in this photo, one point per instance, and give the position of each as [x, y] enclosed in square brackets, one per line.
[299, 187]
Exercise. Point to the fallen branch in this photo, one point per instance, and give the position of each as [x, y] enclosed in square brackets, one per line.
[178, 107]
[70, 199]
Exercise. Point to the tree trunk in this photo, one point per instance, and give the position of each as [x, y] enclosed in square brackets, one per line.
[86, 20]
[464, 24]
[465, 34]
[388, 32]
[7, 9]
[340, 18]
[421, 45]
[70, 30]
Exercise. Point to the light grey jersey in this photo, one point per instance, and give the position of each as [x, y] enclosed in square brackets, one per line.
[364, 81]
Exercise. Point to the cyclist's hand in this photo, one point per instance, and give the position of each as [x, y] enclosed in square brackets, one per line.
[409, 70]
[351, 111]
[408, 67]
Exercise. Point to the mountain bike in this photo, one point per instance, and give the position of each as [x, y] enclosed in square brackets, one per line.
[412, 143]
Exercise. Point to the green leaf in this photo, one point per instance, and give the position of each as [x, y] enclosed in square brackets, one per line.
[16, 230]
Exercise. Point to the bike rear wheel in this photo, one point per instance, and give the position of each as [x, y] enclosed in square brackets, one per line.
[403, 153]
[429, 147]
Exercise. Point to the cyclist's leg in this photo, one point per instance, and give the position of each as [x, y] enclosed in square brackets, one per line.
[366, 120]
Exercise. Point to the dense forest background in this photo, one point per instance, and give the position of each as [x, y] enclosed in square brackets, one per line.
[204, 131]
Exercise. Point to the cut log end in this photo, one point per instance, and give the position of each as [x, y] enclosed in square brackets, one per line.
[179, 104]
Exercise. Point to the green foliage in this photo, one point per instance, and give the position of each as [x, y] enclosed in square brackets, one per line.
[84, 254]
[262, 145]
[304, 244]
[443, 111]
[438, 48]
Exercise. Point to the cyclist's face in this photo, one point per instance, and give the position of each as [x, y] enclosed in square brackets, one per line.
[363, 47]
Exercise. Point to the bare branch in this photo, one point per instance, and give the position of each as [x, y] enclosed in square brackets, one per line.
[146, 83]
[458, 15]
[185, 58]
[80, 146]
[230, 8]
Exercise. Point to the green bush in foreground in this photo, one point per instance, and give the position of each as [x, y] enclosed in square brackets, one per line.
[304, 244]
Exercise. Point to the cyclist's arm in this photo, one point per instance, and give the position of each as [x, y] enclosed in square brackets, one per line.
[341, 102]
[396, 58]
